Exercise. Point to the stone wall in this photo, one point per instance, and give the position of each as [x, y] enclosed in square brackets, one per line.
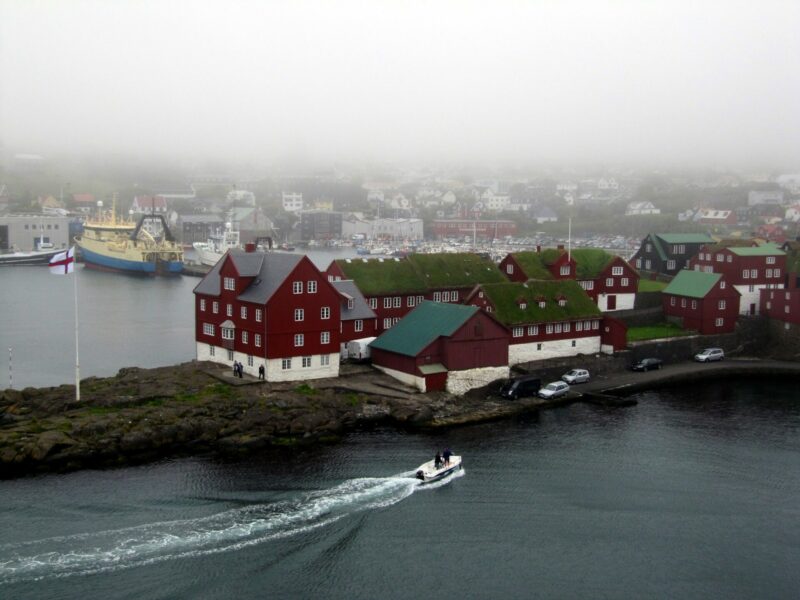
[460, 382]
[647, 300]
[521, 353]
[784, 340]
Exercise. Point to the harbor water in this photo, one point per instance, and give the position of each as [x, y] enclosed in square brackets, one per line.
[690, 494]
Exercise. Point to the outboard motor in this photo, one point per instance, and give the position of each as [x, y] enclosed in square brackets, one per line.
[421, 475]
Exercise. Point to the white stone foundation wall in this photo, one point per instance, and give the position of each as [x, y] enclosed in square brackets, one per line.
[274, 370]
[624, 302]
[407, 378]
[521, 353]
[753, 297]
[460, 382]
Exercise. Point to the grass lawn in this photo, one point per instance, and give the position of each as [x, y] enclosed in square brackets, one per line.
[654, 332]
[648, 285]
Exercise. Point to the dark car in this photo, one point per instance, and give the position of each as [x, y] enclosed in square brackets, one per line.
[647, 364]
[520, 387]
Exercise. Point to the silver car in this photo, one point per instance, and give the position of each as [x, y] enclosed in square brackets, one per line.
[576, 376]
[554, 390]
[709, 355]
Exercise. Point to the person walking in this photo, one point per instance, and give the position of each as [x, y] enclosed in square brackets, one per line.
[261, 371]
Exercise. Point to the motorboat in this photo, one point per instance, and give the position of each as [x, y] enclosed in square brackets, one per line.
[428, 473]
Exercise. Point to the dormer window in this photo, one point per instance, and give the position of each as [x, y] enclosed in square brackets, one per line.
[523, 305]
[565, 269]
[542, 304]
[350, 304]
[562, 301]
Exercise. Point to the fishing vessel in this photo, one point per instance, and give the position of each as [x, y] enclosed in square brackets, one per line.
[111, 243]
[209, 252]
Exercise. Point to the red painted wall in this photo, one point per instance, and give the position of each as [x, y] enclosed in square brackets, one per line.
[733, 270]
[706, 311]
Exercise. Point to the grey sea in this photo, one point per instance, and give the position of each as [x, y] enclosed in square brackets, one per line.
[693, 493]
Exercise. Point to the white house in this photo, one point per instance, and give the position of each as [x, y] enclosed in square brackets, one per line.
[793, 213]
[292, 201]
[756, 197]
[641, 208]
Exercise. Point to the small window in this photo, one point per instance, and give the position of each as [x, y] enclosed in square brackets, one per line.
[202, 304]
[454, 295]
[250, 361]
[257, 340]
[538, 346]
[350, 304]
[325, 360]
[208, 329]
[229, 310]
[325, 312]
[398, 302]
[516, 332]
[548, 328]
[215, 307]
[753, 273]
[245, 337]
[564, 269]
[306, 361]
[387, 323]
[542, 304]
[730, 258]
[230, 354]
[325, 337]
[573, 343]
[694, 304]
[533, 330]
[258, 315]
[609, 282]
[299, 340]
[387, 302]
[558, 327]
[770, 260]
[625, 282]
[211, 351]
[358, 325]
[683, 302]
[509, 266]
[722, 285]
[311, 286]
[373, 303]
[578, 325]
[523, 305]
[672, 301]
[670, 265]
[567, 327]
[229, 283]
[410, 301]
[616, 270]
[299, 314]
[445, 296]
[286, 364]
[243, 312]
[562, 301]
[720, 258]
[297, 287]
[437, 296]
[720, 322]
[227, 333]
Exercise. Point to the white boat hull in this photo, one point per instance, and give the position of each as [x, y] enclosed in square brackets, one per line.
[428, 473]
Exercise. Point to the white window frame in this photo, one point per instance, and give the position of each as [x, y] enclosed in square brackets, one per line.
[257, 340]
[229, 283]
[245, 337]
[671, 264]
[616, 270]
[325, 313]
[297, 287]
[358, 325]
[437, 296]
[625, 282]
[324, 337]
[454, 295]
[258, 315]
[770, 260]
[510, 269]
[387, 302]
[229, 310]
[311, 286]
[208, 329]
[299, 340]
[719, 322]
[299, 315]
[373, 303]
[721, 305]
[446, 296]
[202, 304]
[228, 333]
[548, 328]
[215, 307]
[609, 282]
[397, 302]
[517, 332]
[387, 323]
[410, 301]
[286, 364]
[325, 360]
[243, 312]
[306, 362]
[565, 270]
[533, 330]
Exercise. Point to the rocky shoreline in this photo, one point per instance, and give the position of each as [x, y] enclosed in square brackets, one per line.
[142, 415]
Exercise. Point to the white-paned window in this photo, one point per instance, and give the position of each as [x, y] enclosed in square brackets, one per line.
[299, 340]
[769, 273]
[306, 361]
[230, 354]
[358, 325]
[562, 301]
[297, 287]
[683, 302]
[721, 305]
[548, 328]
[694, 304]
[299, 314]
[387, 302]
[325, 312]
[638, 263]
[753, 273]
[445, 296]
[672, 301]
[387, 323]
[245, 337]
[258, 315]
[564, 269]
[202, 304]
[373, 303]
[325, 337]
[454, 295]
[229, 283]
[350, 303]
[609, 282]
[286, 364]
[566, 327]
[516, 332]
[745, 274]
[533, 330]
[208, 329]
[410, 301]
[578, 325]
[398, 301]
[542, 303]
[720, 258]
[257, 340]
[730, 258]
[624, 281]
[595, 324]
[325, 360]
[243, 312]
[311, 287]
[770, 260]
[229, 310]
[437, 296]
[670, 264]
[420, 299]
[616, 270]
[510, 269]
[215, 307]
[211, 350]
[722, 285]
[720, 322]
[249, 361]
[776, 272]
[227, 333]
[558, 327]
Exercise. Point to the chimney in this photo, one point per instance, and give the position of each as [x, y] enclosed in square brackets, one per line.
[561, 246]
[538, 249]
[249, 247]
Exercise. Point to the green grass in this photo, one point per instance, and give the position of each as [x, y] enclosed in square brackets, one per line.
[649, 285]
[654, 332]
[305, 389]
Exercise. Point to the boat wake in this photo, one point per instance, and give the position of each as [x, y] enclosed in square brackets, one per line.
[104, 551]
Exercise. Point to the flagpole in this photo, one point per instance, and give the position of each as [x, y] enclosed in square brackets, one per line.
[77, 361]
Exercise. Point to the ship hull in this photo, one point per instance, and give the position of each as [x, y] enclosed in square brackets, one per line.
[99, 260]
[27, 258]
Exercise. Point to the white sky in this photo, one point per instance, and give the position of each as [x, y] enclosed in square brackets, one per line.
[701, 82]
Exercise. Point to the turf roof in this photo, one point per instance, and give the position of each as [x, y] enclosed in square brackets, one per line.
[532, 264]
[419, 273]
[590, 262]
[506, 300]
[423, 325]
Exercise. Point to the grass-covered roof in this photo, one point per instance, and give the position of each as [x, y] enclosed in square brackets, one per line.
[532, 264]
[506, 300]
[419, 272]
[590, 262]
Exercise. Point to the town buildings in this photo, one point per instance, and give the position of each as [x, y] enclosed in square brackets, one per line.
[25, 232]
[701, 301]
[473, 229]
[749, 269]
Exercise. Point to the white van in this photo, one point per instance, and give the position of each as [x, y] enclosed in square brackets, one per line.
[359, 349]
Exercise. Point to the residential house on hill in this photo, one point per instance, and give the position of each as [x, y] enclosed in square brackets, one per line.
[269, 309]
[547, 319]
[748, 269]
[83, 203]
[608, 279]
[444, 347]
[394, 286]
[550, 263]
[701, 301]
[715, 217]
[668, 253]
[641, 208]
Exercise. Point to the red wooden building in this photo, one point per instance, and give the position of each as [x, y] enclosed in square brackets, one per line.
[550, 263]
[358, 320]
[394, 286]
[444, 346]
[701, 301]
[749, 269]
[275, 310]
[782, 305]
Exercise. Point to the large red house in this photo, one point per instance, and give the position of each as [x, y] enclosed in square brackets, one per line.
[608, 279]
[358, 320]
[701, 301]
[444, 346]
[394, 286]
[275, 310]
[749, 269]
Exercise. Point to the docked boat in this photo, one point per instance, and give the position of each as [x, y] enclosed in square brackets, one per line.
[209, 253]
[40, 256]
[428, 473]
[109, 243]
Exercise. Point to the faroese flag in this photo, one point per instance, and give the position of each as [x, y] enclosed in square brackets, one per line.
[63, 262]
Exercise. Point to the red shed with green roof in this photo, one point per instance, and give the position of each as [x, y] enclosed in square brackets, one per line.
[701, 301]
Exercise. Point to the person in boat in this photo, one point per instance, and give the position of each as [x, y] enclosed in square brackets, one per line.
[446, 455]
[437, 461]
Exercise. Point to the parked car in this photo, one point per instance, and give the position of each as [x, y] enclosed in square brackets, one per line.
[709, 354]
[576, 376]
[521, 387]
[554, 390]
[647, 364]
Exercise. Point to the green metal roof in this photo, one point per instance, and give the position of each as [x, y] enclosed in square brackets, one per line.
[758, 251]
[506, 299]
[686, 238]
[694, 284]
[422, 326]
